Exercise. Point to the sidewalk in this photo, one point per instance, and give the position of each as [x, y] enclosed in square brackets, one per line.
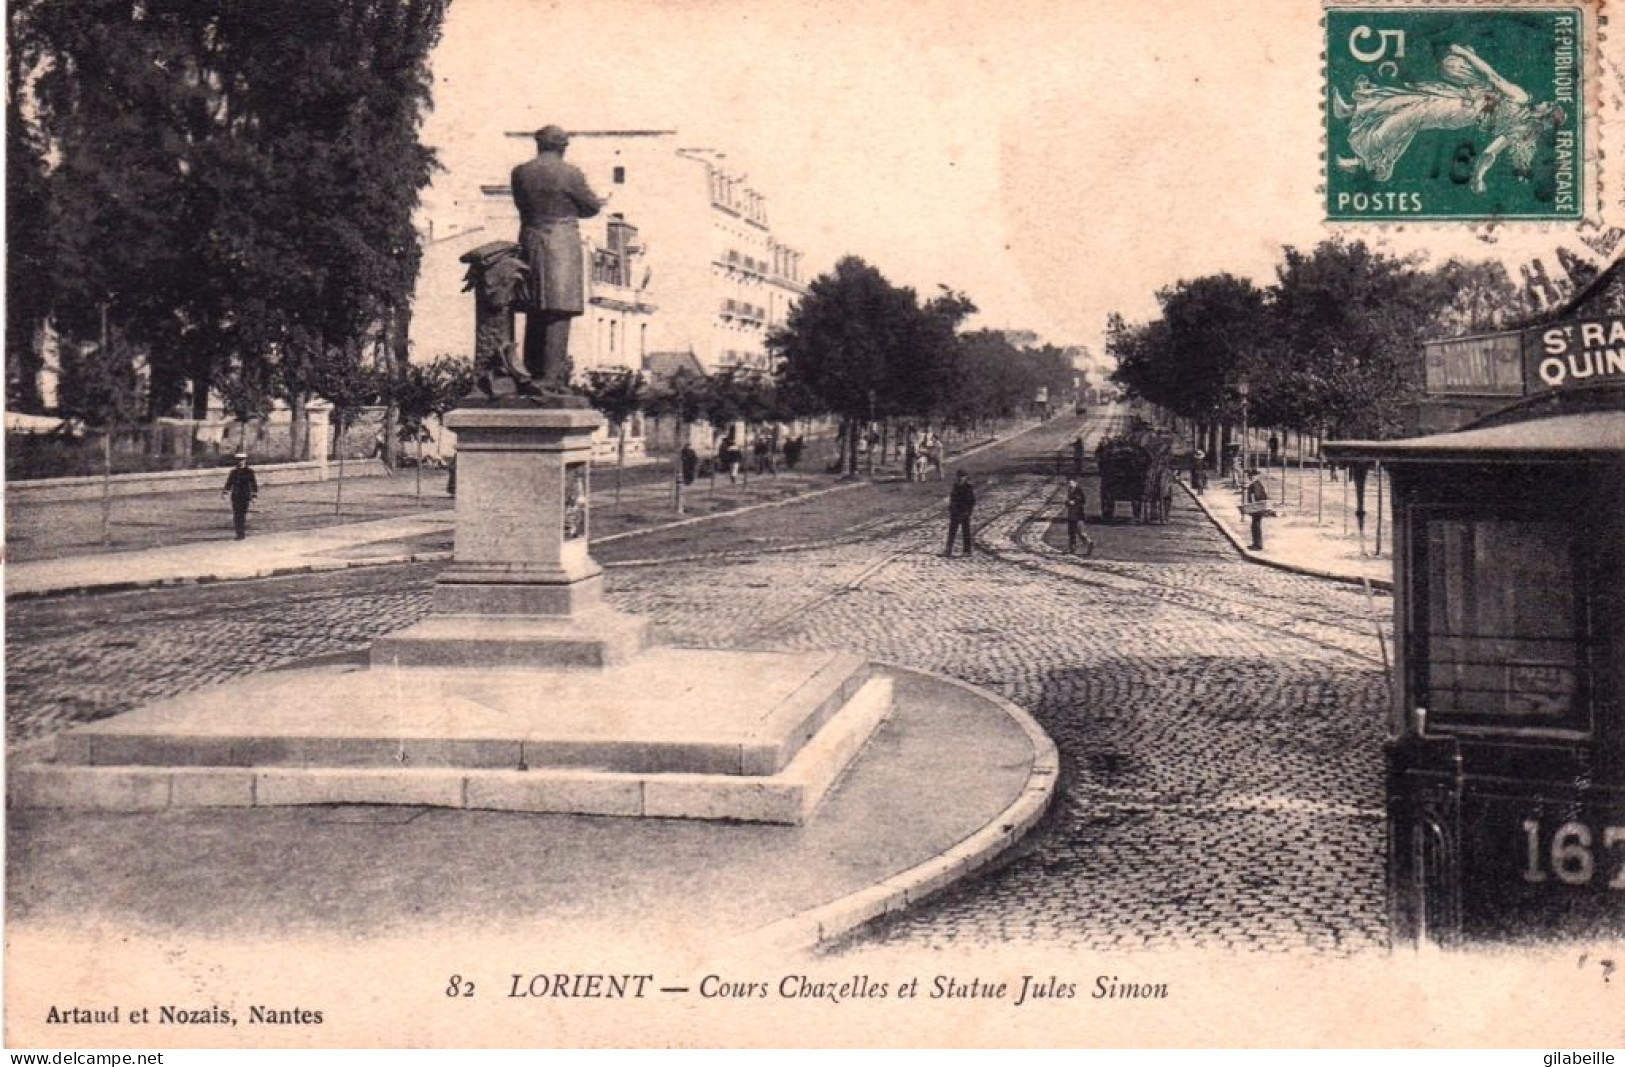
[209, 554]
[1314, 531]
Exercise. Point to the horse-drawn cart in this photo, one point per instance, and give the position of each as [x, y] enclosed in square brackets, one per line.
[1135, 467]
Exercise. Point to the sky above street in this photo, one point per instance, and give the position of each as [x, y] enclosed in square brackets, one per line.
[1055, 160]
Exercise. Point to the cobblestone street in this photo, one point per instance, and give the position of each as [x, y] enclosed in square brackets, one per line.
[1220, 723]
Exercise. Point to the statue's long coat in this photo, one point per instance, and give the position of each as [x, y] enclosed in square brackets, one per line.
[551, 195]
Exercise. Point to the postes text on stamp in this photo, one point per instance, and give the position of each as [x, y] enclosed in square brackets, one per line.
[1455, 113]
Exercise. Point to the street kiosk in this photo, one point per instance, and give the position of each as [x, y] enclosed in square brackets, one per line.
[1506, 758]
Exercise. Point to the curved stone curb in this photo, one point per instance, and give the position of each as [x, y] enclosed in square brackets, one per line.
[1280, 565]
[818, 925]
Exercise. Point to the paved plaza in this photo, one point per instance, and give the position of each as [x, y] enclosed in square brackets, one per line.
[1219, 723]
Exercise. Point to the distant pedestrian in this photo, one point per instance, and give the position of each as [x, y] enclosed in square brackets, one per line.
[1275, 450]
[762, 450]
[961, 503]
[1257, 506]
[1076, 501]
[730, 457]
[1198, 470]
[1077, 456]
[690, 461]
[911, 452]
[1230, 463]
[792, 452]
[938, 450]
[242, 487]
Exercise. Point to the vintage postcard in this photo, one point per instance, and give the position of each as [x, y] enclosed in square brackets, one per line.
[816, 523]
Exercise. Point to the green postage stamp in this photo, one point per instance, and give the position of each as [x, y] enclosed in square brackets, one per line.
[1455, 113]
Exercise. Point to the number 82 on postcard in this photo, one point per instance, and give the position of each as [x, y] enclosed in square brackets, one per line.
[1455, 113]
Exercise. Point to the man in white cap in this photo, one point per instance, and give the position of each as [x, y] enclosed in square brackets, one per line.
[242, 487]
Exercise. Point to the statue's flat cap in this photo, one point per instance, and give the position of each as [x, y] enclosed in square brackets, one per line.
[552, 137]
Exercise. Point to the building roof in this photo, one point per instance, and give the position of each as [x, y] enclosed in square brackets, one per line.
[1588, 436]
[662, 365]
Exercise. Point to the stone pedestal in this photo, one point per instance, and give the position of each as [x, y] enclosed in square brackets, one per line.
[522, 590]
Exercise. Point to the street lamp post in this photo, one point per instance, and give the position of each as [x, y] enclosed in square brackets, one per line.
[1242, 388]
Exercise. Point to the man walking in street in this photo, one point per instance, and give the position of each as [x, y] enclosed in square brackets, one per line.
[1077, 456]
[961, 502]
[1076, 501]
[242, 487]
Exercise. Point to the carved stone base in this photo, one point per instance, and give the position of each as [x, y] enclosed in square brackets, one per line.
[460, 597]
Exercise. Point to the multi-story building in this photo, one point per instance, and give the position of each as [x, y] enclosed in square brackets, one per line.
[683, 258]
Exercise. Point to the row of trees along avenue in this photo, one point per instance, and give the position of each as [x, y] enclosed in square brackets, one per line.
[867, 351]
[1331, 348]
[220, 192]
[861, 349]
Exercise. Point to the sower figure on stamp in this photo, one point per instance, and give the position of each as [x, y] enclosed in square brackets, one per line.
[961, 502]
[242, 487]
[551, 195]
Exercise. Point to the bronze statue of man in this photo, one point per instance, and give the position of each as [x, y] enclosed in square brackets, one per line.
[551, 195]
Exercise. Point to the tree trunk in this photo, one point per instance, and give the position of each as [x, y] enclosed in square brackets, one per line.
[400, 326]
[620, 459]
[298, 427]
[200, 397]
[338, 494]
[107, 486]
[419, 487]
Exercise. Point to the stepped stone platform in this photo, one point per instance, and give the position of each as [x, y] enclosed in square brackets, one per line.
[679, 733]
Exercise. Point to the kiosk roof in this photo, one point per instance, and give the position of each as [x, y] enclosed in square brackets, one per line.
[1592, 436]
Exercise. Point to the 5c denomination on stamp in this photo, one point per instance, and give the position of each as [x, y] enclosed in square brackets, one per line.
[1455, 112]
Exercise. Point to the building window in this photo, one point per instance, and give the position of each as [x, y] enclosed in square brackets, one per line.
[619, 176]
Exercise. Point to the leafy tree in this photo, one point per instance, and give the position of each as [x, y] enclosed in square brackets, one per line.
[348, 382]
[923, 373]
[99, 387]
[246, 391]
[1191, 360]
[1347, 320]
[1482, 297]
[864, 347]
[226, 172]
[683, 395]
[28, 237]
[617, 394]
[994, 380]
[421, 391]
